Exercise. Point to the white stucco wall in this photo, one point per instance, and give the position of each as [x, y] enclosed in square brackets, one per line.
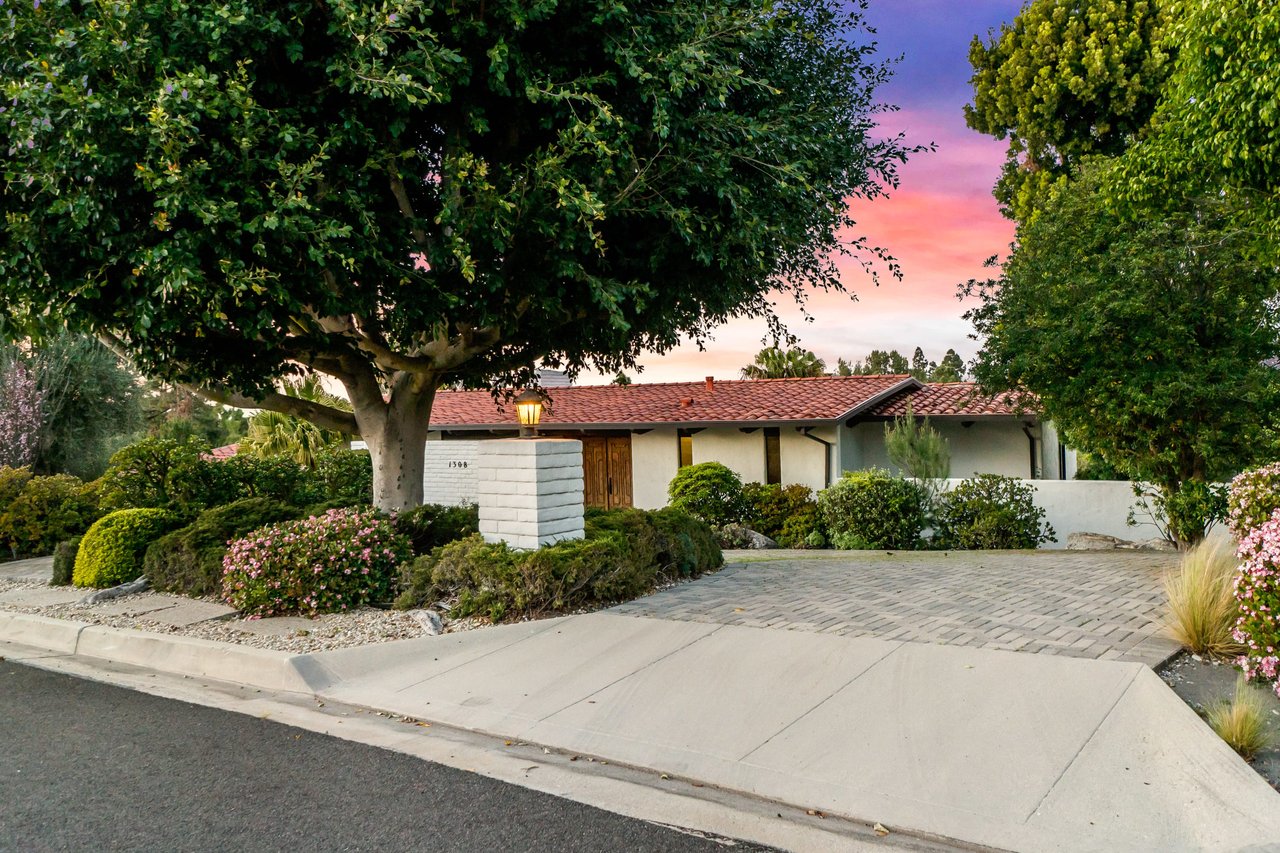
[803, 459]
[655, 458]
[743, 452]
[995, 446]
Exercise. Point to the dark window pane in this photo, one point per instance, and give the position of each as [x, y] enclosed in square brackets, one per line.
[772, 455]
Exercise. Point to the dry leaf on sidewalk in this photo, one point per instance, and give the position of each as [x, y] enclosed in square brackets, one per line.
[879, 829]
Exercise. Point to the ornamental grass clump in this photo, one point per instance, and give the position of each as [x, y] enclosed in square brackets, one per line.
[1258, 598]
[1242, 721]
[341, 560]
[1202, 604]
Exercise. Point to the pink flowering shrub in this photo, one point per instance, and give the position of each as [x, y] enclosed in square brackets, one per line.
[20, 415]
[1258, 594]
[328, 563]
[1254, 496]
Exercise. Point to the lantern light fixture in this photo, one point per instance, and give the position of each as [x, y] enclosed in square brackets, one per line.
[529, 410]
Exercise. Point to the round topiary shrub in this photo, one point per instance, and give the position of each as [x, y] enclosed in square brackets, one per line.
[111, 551]
[990, 511]
[709, 491]
[338, 561]
[1258, 596]
[1253, 497]
[189, 560]
[873, 509]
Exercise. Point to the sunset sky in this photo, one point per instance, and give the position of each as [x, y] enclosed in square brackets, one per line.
[941, 224]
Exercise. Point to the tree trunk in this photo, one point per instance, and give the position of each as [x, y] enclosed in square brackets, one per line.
[396, 433]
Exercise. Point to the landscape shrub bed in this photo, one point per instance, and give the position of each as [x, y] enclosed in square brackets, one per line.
[1257, 594]
[786, 514]
[873, 509]
[990, 511]
[36, 513]
[338, 561]
[709, 491]
[111, 551]
[64, 561]
[189, 560]
[431, 525]
[625, 554]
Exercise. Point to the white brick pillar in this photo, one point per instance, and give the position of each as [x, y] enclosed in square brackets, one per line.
[530, 490]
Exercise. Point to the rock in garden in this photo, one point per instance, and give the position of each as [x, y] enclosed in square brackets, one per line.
[1152, 545]
[1094, 542]
[130, 588]
[737, 536]
[429, 620]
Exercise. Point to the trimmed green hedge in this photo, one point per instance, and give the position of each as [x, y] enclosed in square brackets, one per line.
[625, 554]
[36, 513]
[873, 509]
[189, 560]
[111, 552]
[431, 525]
[990, 511]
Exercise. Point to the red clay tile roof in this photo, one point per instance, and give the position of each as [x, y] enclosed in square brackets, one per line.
[224, 452]
[952, 398]
[824, 398]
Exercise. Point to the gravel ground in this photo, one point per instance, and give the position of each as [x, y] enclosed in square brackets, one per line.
[332, 631]
[1202, 682]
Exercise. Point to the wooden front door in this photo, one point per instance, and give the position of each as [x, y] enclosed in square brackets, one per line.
[606, 470]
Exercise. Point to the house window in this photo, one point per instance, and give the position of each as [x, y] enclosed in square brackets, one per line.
[772, 455]
[686, 447]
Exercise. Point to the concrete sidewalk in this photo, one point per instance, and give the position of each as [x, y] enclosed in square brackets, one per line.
[1003, 749]
[1015, 751]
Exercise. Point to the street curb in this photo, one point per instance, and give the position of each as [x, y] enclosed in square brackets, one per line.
[189, 656]
[55, 635]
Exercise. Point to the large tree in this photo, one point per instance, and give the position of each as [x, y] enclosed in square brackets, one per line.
[1217, 128]
[1065, 81]
[407, 194]
[1144, 340]
[778, 363]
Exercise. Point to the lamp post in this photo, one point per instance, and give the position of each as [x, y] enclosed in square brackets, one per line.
[529, 410]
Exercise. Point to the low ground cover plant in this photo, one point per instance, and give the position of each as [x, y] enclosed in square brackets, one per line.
[786, 514]
[990, 511]
[111, 551]
[625, 553]
[709, 491]
[343, 559]
[1202, 603]
[1257, 595]
[189, 560]
[873, 509]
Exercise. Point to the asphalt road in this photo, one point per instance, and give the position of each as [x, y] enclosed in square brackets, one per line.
[88, 766]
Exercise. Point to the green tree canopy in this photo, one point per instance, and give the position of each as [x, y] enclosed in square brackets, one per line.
[1217, 128]
[777, 363]
[1144, 341]
[403, 195]
[950, 369]
[1064, 81]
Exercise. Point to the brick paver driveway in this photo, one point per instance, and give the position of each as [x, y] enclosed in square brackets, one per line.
[1081, 603]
